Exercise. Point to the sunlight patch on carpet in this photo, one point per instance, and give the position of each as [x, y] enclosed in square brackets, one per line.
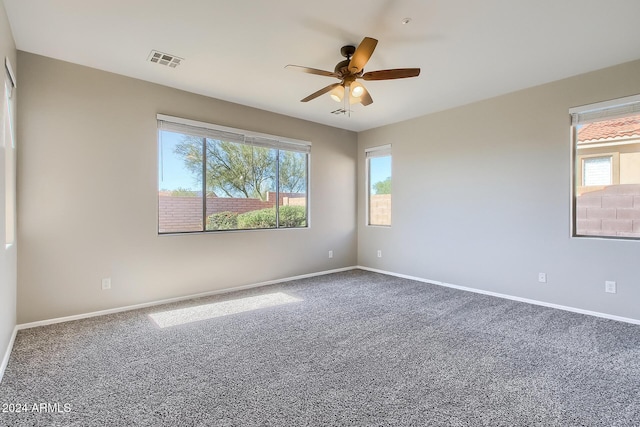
[165, 319]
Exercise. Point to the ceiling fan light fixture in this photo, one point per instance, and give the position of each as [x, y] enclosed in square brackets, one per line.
[357, 90]
[337, 93]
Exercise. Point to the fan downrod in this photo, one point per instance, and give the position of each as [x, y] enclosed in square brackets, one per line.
[342, 67]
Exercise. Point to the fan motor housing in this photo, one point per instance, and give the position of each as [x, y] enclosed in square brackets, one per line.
[342, 67]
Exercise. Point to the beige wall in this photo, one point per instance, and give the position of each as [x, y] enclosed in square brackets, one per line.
[88, 196]
[7, 254]
[630, 168]
[481, 198]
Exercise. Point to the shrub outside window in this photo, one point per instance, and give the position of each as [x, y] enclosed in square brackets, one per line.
[606, 189]
[213, 178]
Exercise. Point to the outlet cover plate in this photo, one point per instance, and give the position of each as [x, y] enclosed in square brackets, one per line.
[610, 287]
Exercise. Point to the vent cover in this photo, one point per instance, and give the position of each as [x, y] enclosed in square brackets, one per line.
[164, 59]
[339, 111]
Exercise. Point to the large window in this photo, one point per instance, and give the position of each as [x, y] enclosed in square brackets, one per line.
[606, 145]
[212, 178]
[378, 185]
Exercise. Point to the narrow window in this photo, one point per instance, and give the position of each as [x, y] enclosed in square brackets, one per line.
[9, 156]
[213, 178]
[606, 189]
[378, 185]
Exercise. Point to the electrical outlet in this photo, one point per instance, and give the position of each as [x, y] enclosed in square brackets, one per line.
[379, 253]
[330, 254]
[610, 287]
[106, 283]
[542, 277]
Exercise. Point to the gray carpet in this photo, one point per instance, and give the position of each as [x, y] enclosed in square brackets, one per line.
[358, 348]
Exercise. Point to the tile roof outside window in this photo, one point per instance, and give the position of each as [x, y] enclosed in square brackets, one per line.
[624, 127]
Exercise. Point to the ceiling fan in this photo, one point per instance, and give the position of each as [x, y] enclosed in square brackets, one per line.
[350, 70]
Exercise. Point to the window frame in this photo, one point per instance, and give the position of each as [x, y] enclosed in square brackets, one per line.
[369, 153]
[585, 114]
[250, 138]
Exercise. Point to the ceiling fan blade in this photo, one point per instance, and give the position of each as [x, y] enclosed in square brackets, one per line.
[362, 54]
[320, 92]
[397, 73]
[365, 98]
[312, 71]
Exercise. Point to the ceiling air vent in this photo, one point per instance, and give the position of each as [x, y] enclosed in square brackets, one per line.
[165, 59]
[339, 111]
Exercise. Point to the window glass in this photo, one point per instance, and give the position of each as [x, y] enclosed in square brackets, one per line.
[293, 189]
[180, 183]
[246, 185]
[596, 171]
[10, 166]
[240, 186]
[379, 187]
[607, 170]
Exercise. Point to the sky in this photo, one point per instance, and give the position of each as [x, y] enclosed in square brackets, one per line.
[172, 174]
[379, 169]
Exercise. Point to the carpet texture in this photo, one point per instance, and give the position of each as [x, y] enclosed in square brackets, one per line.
[353, 348]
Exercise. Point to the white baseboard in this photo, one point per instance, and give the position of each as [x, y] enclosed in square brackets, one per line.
[303, 276]
[505, 296]
[7, 353]
[171, 300]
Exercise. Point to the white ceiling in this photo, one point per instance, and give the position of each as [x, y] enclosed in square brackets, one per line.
[236, 50]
